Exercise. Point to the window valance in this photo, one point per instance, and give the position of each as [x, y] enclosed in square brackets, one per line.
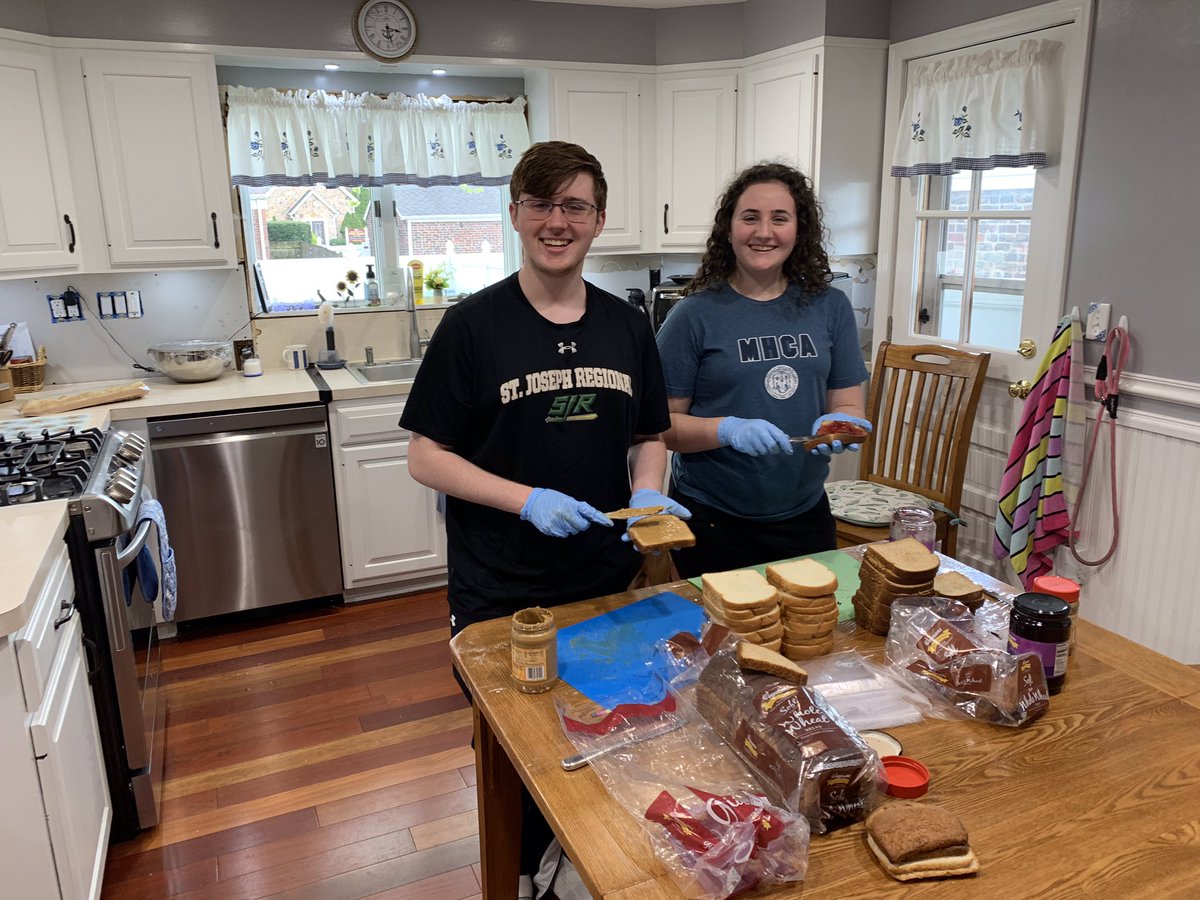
[988, 110]
[346, 140]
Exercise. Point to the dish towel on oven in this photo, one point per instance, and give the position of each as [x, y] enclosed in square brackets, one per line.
[1032, 517]
[152, 510]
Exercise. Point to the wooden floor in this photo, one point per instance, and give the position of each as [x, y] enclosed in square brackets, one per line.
[323, 753]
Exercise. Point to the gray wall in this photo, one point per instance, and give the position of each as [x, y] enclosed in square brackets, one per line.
[914, 18]
[687, 34]
[24, 15]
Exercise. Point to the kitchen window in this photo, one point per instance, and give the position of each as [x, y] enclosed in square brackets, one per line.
[973, 251]
[461, 229]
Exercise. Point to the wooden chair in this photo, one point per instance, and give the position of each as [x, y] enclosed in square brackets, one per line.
[922, 405]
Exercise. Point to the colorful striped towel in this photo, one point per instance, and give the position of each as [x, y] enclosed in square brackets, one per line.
[1032, 516]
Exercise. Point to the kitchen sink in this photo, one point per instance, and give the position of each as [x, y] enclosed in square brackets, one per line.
[395, 370]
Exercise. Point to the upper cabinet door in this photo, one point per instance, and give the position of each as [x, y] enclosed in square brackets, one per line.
[696, 142]
[37, 206]
[600, 112]
[160, 158]
[779, 99]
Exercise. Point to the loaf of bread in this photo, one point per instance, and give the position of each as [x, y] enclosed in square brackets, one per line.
[811, 759]
[49, 406]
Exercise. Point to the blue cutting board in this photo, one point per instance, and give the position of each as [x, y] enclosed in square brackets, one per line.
[610, 659]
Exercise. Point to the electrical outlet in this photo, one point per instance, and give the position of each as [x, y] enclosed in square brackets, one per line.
[58, 308]
[133, 301]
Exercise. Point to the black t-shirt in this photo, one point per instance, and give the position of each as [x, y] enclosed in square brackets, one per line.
[548, 405]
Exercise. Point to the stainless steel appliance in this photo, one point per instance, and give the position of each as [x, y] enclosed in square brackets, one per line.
[249, 503]
[102, 477]
[664, 296]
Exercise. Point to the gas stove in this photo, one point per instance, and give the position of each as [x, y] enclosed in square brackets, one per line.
[53, 459]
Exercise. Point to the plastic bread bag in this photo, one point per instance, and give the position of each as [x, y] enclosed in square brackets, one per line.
[807, 755]
[949, 665]
[709, 821]
[868, 695]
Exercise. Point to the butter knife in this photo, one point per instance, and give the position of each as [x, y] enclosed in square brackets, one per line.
[816, 440]
[579, 760]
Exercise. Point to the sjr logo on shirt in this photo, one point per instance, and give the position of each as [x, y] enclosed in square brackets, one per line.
[572, 408]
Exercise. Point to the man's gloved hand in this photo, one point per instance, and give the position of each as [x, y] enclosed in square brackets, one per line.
[836, 446]
[649, 497]
[757, 437]
[557, 515]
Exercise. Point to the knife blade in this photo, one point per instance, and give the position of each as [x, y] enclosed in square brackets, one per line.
[579, 760]
[816, 440]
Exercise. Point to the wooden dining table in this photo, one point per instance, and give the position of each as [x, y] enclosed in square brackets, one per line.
[1098, 797]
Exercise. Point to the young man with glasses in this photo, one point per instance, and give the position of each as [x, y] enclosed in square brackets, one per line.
[540, 403]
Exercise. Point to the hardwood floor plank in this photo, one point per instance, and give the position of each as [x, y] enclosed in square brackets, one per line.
[433, 682]
[168, 883]
[346, 764]
[455, 885]
[316, 705]
[469, 774]
[178, 807]
[404, 870]
[198, 658]
[326, 791]
[413, 711]
[398, 818]
[231, 697]
[133, 859]
[445, 830]
[235, 773]
[390, 797]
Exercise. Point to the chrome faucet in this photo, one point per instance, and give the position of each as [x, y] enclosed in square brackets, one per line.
[370, 353]
[416, 343]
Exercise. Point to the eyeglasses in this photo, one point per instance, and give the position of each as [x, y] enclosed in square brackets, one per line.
[572, 210]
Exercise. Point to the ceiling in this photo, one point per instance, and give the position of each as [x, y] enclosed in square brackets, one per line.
[643, 4]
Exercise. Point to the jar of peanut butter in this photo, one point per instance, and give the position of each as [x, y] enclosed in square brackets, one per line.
[534, 650]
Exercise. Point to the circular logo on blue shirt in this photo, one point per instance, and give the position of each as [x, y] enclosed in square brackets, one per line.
[781, 382]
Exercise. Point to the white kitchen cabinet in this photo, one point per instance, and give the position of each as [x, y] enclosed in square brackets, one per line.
[695, 149]
[55, 829]
[602, 112]
[821, 109]
[38, 216]
[150, 170]
[391, 529]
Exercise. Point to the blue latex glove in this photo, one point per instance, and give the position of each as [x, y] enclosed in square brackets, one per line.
[650, 497]
[557, 515]
[757, 437]
[836, 446]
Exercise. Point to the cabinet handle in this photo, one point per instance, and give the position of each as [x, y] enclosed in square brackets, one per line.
[216, 237]
[666, 230]
[71, 225]
[89, 647]
[66, 611]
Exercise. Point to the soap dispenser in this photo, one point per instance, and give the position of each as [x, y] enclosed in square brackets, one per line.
[372, 287]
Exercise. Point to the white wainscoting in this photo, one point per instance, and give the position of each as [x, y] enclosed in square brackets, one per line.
[1149, 591]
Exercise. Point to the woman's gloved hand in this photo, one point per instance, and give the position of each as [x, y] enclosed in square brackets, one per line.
[757, 437]
[836, 446]
[649, 497]
[555, 514]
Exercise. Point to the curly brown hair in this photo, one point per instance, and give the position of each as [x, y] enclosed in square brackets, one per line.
[808, 263]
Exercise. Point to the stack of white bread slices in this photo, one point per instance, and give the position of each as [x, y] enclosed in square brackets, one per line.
[746, 602]
[808, 607]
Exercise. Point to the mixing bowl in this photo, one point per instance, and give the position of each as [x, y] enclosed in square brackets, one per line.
[192, 360]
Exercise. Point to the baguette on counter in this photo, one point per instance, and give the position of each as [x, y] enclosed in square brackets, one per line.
[49, 406]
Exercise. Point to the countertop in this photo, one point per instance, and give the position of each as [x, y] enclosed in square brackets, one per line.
[29, 533]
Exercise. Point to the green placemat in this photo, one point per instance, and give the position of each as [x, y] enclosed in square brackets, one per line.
[844, 566]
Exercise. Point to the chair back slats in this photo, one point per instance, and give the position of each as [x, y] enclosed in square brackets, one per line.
[922, 403]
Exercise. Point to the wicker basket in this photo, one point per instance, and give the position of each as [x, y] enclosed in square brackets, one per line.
[31, 376]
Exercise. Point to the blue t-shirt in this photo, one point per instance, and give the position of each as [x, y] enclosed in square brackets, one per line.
[756, 359]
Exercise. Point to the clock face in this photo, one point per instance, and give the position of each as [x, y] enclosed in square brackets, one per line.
[384, 29]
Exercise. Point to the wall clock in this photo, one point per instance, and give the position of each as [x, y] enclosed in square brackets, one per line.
[384, 29]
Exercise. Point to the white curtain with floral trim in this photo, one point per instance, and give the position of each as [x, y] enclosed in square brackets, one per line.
[989, 110]
[347, 140]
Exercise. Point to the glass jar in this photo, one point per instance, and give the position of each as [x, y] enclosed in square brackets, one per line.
[1065, 589]
[534, 650]
[915, 522]
[1041, 624]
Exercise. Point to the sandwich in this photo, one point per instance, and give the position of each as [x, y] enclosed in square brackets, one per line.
[919, 840]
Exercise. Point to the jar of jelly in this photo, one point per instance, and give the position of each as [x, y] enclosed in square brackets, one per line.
[1041, 624]
[915, 522]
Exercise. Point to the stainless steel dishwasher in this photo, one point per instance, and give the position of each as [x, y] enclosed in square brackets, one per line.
[249, 503]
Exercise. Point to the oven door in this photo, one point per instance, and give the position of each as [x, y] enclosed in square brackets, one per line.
[136, 663]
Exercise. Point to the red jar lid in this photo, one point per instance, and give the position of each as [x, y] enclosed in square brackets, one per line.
[906, 777]
[1064, 588]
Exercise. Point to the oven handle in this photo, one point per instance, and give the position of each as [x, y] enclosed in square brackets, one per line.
[134, 547]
